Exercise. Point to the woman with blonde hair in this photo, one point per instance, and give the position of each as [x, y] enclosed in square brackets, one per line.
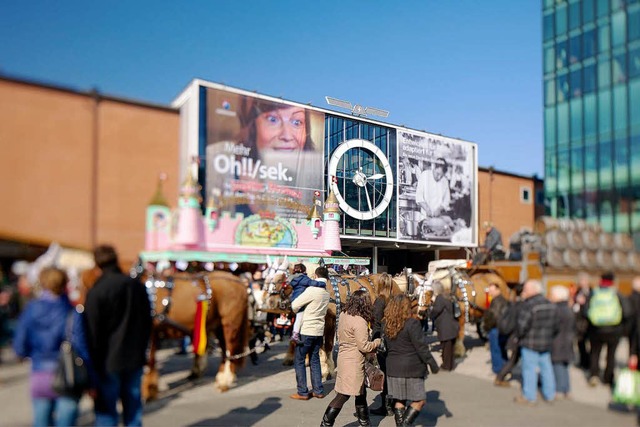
[407, 359]
[353, 336]
[42, 327]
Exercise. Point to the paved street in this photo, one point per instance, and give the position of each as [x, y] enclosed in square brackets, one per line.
[466, 397]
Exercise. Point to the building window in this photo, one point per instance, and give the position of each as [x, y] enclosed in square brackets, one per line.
[525, 194]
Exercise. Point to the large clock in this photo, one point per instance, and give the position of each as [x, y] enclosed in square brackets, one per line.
[364, 179]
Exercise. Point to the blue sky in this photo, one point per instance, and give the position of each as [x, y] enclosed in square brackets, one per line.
[462, 68]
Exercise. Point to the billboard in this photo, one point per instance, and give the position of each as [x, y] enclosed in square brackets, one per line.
[262, 155]
[436, 189]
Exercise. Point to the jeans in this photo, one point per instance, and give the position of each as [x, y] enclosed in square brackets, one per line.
[311, 346]
[531, 361]
[65, 408]
[561, 372]
[126, 387]
[497, 350]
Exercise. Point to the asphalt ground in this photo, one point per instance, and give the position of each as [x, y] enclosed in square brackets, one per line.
[465, 397]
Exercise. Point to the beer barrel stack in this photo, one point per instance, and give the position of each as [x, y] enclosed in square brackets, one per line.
[576, 244]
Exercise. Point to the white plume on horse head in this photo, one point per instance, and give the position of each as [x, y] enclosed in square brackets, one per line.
[285, 264]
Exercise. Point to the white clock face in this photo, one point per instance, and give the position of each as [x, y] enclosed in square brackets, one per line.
[364, 177]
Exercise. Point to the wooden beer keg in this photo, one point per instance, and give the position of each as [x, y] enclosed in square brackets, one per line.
[590, 239]
[571, 258]
[623, 242]
[604, 259]
[574, 239]
[588, 259]
[606, 242]
[555, 258]
[556, 239]
[634, 261]
[620, 260]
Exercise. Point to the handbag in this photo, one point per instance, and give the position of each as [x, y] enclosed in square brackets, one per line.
[72, 376]
[373, 376]
[627, 389]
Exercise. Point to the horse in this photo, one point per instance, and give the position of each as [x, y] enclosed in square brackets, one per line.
[340, 289]
[174, 304]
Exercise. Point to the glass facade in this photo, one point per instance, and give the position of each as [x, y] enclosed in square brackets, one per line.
[591, 65]
[340, 129]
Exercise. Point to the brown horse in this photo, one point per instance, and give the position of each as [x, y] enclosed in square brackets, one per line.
[340, 289]
[175, 302]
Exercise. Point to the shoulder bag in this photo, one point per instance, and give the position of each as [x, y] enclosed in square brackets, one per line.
[72, 376]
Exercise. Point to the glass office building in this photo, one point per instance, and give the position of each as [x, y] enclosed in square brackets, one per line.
[591, 60]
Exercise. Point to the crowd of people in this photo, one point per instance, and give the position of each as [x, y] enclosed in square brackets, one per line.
[109, 332]
[542, 332]
[539, 330]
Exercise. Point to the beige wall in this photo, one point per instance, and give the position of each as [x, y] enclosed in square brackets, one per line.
[80, 171]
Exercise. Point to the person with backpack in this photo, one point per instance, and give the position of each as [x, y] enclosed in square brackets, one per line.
[497, 341]
[606, 310]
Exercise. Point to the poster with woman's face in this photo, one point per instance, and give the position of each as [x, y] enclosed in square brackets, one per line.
[262, 156]
[436, 189]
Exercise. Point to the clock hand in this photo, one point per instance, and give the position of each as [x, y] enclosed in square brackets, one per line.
[368, 200]
[376, 176]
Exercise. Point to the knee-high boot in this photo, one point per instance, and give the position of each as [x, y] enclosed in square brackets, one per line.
[398, 415]
[410, 415]
[330, 416]
[362, 411]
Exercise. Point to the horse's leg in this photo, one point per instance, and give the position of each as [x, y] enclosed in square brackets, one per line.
[151, 377]
[288, 358]
[458, 349]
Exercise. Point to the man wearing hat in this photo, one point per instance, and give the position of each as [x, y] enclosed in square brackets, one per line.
[606, 310]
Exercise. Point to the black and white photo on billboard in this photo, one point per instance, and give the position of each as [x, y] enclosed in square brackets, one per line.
[436, 189]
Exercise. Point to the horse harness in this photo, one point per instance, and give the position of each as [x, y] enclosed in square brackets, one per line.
[152, 284]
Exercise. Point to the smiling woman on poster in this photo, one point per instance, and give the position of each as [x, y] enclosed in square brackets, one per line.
[270, 163]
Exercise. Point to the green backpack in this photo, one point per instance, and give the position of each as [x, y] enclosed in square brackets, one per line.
[604, 308]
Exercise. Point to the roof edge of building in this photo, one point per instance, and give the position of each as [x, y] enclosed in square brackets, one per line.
[94, 93]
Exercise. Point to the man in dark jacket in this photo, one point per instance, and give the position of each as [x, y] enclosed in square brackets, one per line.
[497, 341]
[562, 350]
[118, 316]
[536, 328]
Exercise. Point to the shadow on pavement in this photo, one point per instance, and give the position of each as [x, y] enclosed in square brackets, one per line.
[243, 416]
[433, 409]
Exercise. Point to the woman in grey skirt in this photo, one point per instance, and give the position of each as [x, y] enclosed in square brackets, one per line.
[407, 359]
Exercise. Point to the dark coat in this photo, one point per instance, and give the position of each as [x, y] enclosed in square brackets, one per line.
[407, 354]
[442, 315]
[118, 321]
[496, 310]
[562, 349]
[536, 324]
[378, 314]
[300, 281]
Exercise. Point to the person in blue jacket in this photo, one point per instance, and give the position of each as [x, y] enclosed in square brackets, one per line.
[40, 330]
[299, 281]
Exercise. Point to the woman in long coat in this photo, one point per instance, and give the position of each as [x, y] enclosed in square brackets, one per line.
[354, 344]
[445, 324]
[384, 294]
